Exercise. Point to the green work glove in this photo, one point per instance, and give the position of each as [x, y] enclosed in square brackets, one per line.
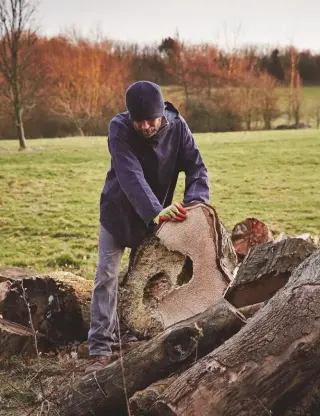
[174, 212]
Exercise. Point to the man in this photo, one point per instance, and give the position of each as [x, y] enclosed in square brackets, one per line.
[149, 145]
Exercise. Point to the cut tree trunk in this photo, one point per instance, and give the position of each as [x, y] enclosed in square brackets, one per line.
[4, 288]
[9, 274]
[265, 270]
[16, 339]
[249, 233]
[59, 305]
[282, 236]
[176, 348]
[13, 273]
[277, 352]
[178, 272]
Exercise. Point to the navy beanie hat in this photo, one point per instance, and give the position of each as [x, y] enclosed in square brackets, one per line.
[144, 101]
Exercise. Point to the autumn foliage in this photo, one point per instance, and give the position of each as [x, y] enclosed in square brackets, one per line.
[80, 83]
[86, 80]
[74, 85]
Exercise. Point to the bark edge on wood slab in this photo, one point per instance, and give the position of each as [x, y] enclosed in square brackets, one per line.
[265, 270]
[177, 272]
[13, 273]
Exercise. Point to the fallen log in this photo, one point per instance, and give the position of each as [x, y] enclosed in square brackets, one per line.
[265, 270]
[9, 274]
[142, 401]
[14, 273]
[178, 272]
[16, 339]
[302, 401]
[59, 305]
[282, 236]
[249, 311]
[175, 348]
[276, 352]
[307, 237]
[248, 234]
[4, 288]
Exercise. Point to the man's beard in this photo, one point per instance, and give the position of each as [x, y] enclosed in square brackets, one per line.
[149, 132]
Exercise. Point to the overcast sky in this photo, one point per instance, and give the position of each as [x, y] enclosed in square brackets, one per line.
[269, 22]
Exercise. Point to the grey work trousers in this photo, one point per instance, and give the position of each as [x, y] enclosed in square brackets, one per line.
[101, 334]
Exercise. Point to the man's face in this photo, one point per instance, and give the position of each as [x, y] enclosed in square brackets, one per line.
[148, 128]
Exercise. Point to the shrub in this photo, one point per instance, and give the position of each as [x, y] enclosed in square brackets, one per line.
[205, 116]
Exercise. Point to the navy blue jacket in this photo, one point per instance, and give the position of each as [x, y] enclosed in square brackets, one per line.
[144, 173]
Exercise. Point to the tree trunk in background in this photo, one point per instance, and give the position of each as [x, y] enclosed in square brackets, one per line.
[80, 131]
[20, 126]
[19, 79]
[267, 123]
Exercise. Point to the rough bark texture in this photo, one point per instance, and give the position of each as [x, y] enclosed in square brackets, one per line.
[16, 339]
[20, 128]
[178, 272]
[13, 273]
[176, 348]
[142, 401]
[249, 311]
[249, 233]
[9, 274]
[266, 269]
[302, 401]
[59, 305]
[4, 288]
[276, 352]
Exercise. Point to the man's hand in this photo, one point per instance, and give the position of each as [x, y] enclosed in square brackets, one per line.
[174, 212]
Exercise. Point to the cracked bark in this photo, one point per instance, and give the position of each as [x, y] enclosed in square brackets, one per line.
[172, 351]
[266, 269]
[277, 352]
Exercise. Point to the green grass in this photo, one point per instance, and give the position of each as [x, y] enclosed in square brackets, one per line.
[49, 196]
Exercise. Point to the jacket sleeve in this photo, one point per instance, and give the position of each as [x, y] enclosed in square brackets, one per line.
[131, 178]
[196, 182]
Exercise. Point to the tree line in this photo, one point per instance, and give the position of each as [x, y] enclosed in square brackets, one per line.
[71, 85]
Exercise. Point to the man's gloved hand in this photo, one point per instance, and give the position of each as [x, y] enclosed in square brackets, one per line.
[174, 212]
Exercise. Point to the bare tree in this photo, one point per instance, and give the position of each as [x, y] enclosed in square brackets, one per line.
[296, 93]
[268, 98]
[296, 101]
[314, 112]
[17, 44]
[180, 63]
[87, 79]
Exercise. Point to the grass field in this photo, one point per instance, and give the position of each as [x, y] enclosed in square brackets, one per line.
[49, 196]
